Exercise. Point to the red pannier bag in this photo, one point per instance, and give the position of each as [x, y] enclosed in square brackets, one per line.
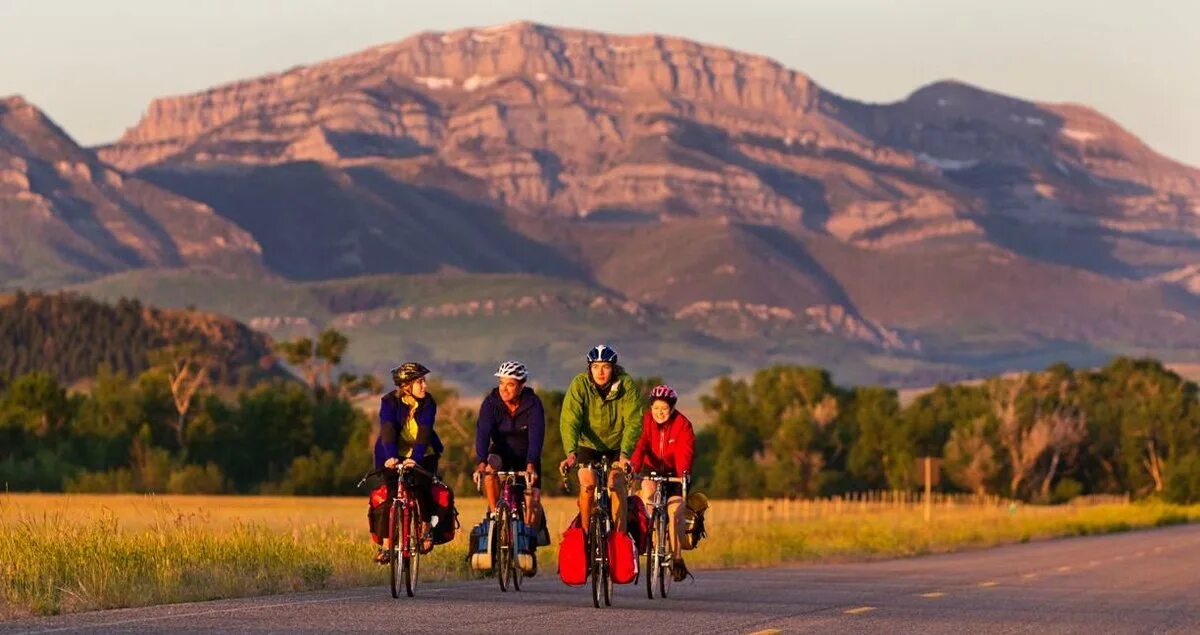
[622, 558]
[374, 508]
[638, 525]
[572, 555]
[443, 516]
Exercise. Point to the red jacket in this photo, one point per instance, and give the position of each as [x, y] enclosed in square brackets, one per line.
[666, 449]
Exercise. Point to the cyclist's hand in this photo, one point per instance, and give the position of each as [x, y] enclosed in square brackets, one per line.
[624, 464]
[391, 464]
[408, 464]
[482, 468]
[531, 474]
[567, 464]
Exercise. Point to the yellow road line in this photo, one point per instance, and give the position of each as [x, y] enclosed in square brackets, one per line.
[1030, 575]
[859, 611]
[933, 594]
[989, 583]
[1093, 563]
[769, 631]
[1065, 567]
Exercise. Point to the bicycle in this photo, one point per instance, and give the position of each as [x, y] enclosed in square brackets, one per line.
[660, 557]
[600, 526]
[404, 529]
[509, 514]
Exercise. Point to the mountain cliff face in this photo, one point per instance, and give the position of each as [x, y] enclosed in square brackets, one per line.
[714, 188]
[68, 216]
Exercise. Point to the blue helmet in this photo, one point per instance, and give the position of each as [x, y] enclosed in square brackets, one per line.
[602, 353]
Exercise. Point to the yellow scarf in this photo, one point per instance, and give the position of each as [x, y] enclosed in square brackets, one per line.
[408, 432]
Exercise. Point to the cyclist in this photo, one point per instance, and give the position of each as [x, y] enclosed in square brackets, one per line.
[601, 419]
[406, 438]
[666, 446]
[509, 435]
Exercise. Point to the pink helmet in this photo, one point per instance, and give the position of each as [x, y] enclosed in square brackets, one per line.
[666, 393]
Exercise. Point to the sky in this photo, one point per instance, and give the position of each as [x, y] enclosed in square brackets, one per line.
[94, 66]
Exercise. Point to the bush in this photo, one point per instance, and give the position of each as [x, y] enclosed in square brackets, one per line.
[1065, 490]
[193, 479]
[118, 481]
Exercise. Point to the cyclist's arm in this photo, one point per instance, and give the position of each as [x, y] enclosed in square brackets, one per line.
[483, 430]
[387, 433]
[631, 414]
[685, 447]
[570, 420]
[426, 415]
[639, 451]
[537, 431]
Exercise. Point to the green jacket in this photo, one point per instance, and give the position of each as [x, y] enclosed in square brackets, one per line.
[601, 423]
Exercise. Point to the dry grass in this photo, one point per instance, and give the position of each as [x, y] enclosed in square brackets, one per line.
[66, 553]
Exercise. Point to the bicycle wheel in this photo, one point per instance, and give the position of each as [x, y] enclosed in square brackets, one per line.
[606, 572]
[598, 561]
[651, 557]
[666, 557]
[412, 560]
[515, 560]
[504, 550]
[394, 557]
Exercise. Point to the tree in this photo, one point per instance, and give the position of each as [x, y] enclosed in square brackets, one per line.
[970, 456]
[188, 371]
[330, 348]
[299, 353]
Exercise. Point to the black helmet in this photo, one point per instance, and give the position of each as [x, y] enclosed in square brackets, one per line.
[407, 372]
[602, 353]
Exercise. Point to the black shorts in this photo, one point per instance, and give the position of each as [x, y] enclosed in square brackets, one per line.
[588, 456]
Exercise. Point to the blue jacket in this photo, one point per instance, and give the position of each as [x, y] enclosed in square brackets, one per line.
[392, 415]
[520, 434]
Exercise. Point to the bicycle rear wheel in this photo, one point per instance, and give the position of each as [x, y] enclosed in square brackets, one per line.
[394, 555]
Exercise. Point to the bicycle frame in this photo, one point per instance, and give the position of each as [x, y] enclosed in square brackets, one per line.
[509, 510]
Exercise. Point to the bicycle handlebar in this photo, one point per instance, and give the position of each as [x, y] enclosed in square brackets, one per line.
[398, 468]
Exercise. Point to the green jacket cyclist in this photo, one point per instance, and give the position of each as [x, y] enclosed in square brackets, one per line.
[601, 418]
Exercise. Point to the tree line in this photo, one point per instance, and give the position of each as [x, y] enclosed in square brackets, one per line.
[1130, 427]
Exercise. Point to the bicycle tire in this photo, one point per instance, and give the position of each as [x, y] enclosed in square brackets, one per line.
[412, 562]
[666, 558]
[597, 561]
[515, 560]
[394, 556]
[651, 556]
[503, 553]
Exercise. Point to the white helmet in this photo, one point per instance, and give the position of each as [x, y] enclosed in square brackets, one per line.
[513, 370]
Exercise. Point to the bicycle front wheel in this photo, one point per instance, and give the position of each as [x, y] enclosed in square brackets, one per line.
[412, 559]
[666, 559]
[394, 555]
[504, 551]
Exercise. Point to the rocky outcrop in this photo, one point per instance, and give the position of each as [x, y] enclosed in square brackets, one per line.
[79, 217]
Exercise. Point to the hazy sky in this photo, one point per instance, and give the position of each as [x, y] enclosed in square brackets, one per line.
[94, 65]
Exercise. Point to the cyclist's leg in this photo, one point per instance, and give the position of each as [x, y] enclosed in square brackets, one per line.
[424, 494]
[674, 505]
[587, 482]
[617, 493]
[646, 491]
[587, 490]
[491, 484]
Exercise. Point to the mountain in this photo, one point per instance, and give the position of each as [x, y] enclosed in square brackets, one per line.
[735, 205]
[70, 217]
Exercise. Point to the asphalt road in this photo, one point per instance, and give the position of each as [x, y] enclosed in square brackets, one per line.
[1143, 582]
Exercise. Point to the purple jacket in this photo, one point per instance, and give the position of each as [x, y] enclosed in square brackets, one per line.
[392, 415]
[520, 434]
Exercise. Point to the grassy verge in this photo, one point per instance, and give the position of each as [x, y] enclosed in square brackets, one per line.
[79, 553]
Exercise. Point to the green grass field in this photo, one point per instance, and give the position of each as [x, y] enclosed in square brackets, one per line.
[65, 553]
